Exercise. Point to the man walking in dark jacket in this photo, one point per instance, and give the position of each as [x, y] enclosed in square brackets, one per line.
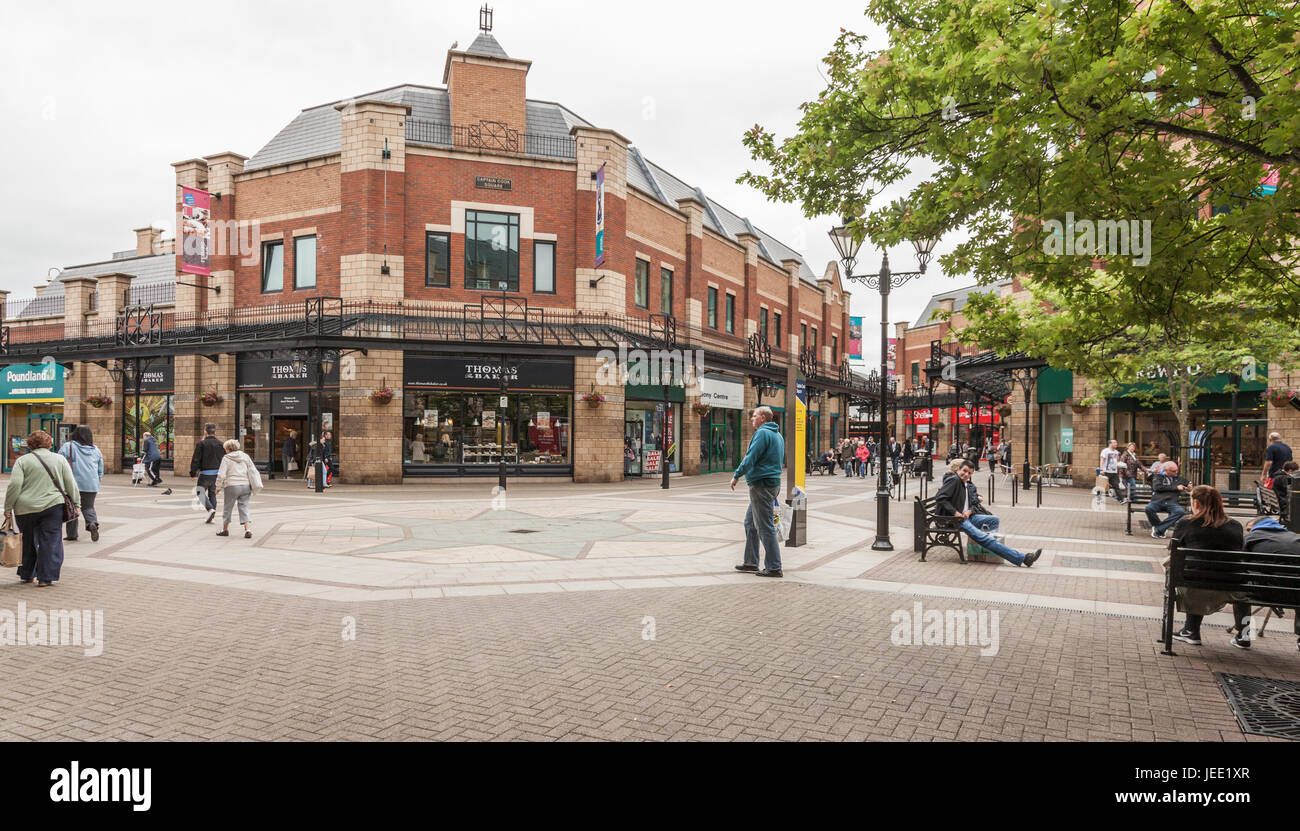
[205, 464]
[761, 468]
[152, 459]
[957, 497]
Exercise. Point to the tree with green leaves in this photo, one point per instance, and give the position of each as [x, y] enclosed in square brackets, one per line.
[1119, 159]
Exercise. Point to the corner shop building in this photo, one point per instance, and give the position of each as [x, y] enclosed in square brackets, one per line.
[419, 239]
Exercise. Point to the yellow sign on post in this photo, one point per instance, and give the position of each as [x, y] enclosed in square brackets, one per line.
[800, 433]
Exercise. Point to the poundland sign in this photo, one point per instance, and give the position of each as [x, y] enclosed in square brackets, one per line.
[32, 384]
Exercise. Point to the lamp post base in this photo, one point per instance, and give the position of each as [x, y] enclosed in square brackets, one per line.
[882, 542]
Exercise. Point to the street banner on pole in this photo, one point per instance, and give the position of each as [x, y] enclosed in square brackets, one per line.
[855, 338]
[196, 208]
[600, 216]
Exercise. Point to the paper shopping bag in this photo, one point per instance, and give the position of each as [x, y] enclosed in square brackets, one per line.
[13, 548]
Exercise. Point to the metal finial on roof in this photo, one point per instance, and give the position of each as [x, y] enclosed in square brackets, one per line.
[485, 18]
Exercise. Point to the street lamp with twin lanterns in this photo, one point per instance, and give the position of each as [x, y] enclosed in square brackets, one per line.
[846, 245]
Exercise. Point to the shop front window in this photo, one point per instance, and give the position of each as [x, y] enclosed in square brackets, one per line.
[1058, 435]
[142, 414]
[255, 425]
[454, 428]
[656, 437]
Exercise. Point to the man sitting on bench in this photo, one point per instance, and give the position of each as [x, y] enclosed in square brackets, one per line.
[957, 497]
[1166, 486]
[827, 462]
[1266, 535]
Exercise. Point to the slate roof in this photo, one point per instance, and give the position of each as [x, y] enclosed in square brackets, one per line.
[959, 298]
[485, 44]
[149, 270]
[315, 132]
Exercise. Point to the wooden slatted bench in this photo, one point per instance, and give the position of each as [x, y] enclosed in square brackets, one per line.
[931, 529]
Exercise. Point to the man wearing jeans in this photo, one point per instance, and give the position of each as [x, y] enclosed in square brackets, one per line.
[761, 468]
[1165, 489]
[957, 497]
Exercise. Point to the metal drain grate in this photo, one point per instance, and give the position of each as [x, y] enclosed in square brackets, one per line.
[1263, 706]
[523, 531]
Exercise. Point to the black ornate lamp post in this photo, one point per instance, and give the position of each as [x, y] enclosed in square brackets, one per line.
[1025, 377]
[883, 281]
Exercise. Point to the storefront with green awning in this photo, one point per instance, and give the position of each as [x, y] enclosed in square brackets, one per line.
[31, 398]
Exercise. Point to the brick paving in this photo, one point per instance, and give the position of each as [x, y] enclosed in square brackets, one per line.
[732, 659]
[763, 661]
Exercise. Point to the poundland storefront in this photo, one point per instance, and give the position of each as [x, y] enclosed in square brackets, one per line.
[31, 396]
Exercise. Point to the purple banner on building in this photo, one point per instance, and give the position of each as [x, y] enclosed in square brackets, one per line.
[196, 210]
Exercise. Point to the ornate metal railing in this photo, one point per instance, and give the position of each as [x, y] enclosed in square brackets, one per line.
[489, 135]
[493, 320]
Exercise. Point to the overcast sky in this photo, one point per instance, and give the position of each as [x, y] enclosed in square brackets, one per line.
[101, 98]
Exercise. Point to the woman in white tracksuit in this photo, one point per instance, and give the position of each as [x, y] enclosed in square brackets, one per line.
[238, 480]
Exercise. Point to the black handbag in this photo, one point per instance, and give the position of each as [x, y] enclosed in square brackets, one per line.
[70, 510]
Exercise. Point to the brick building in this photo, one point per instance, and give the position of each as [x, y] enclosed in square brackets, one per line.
[428, 240]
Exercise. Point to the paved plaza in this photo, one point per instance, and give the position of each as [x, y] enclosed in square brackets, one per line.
[560, 611]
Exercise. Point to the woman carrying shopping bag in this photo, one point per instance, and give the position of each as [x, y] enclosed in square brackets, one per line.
[40, 488]
[88, 469]
[315, 453]
[238, 480]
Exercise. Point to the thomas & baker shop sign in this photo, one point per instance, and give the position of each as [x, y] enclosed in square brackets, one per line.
[437, 372]
[279, 374]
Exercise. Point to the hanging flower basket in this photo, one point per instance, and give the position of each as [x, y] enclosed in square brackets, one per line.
[1004, 410]
[211, 399]
[99, 401]
[1281, 398]
[1081, 405]
[381, 395]
[593, 399]
[701, 409]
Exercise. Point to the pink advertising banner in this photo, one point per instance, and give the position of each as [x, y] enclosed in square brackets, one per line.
[196, 211]
[855, 338]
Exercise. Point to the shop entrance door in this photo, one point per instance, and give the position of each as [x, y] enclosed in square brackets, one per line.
[1247, 446]
[632, 430]
[50, 424]
[718, 447]
[280, 428]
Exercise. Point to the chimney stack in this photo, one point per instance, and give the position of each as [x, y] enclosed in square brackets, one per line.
[145, 238]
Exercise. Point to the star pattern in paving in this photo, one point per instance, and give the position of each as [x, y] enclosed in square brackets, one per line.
[564, 537]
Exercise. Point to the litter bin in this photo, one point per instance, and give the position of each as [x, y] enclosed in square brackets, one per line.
[798, 502]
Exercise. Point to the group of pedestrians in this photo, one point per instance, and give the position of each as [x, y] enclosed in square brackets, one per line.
[318, 452]
[995, 453]
[859, 457]
[43, 483]
[223, 466]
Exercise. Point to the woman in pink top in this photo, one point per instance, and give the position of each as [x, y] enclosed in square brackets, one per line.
[863, 454]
